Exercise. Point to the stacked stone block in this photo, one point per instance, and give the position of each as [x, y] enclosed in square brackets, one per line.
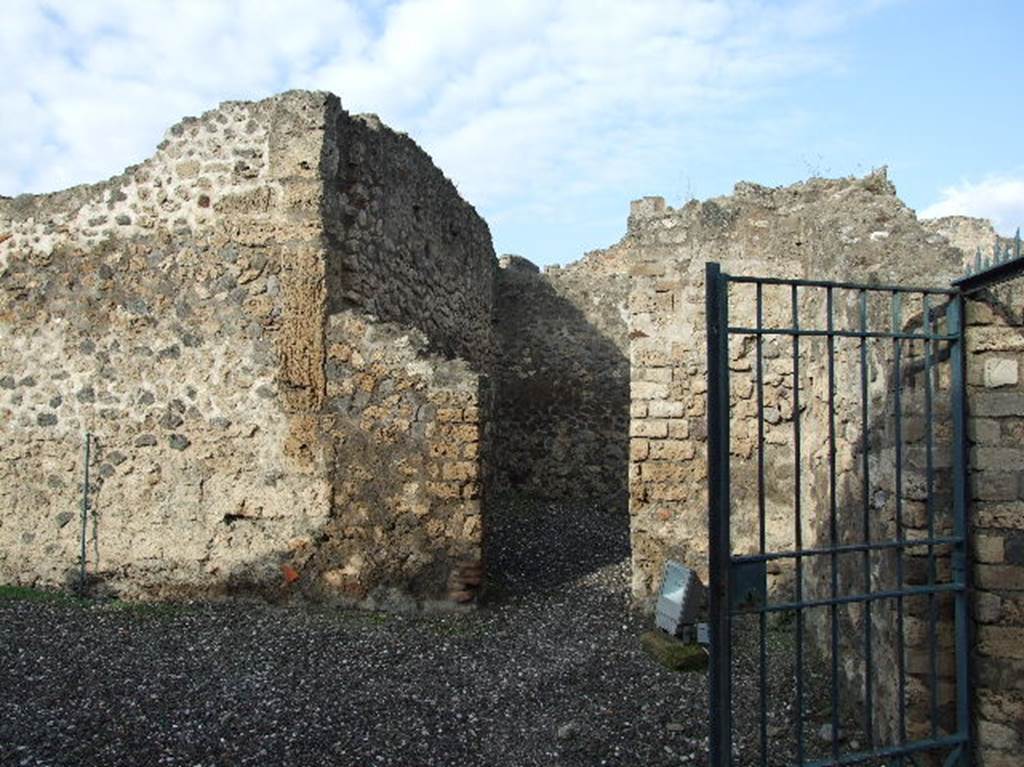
[995, 342]
[180, 312]
[562, 378]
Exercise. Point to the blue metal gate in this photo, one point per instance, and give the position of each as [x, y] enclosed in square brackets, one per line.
[814, 603]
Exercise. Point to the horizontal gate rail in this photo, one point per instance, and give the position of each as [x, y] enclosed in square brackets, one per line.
[839, 334]
[743, 279]
[951, 741]
[874, 596]
[847, 548]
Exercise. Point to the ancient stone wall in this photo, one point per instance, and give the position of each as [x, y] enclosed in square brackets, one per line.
[151, 311]
[834, 230]
[995, 342]
[821, 229]
[403, 246]
[562, 377]
[840, 230]
[192, 314]
[406, 431]
[410, 275]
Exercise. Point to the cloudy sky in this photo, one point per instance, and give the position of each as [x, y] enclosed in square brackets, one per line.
[549, 116]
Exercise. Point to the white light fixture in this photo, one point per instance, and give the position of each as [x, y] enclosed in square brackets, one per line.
[679, 600]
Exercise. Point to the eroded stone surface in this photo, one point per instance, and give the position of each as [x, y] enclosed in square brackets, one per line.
[186, 314]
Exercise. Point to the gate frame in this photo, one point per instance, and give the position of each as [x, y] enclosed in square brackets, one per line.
[721, 560]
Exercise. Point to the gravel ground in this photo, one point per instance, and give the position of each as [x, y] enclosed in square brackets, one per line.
[549, 672]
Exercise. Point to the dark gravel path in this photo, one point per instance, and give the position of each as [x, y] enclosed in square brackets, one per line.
[549, 673]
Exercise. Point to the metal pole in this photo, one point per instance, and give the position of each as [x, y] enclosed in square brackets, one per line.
[961, 551]
[718, 516]
[85, 514]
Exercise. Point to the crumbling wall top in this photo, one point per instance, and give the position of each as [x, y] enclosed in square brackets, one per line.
[516, 263]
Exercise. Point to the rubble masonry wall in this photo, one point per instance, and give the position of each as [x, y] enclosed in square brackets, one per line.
[192, 315]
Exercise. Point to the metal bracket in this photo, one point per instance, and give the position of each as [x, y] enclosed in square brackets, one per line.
[749, 586]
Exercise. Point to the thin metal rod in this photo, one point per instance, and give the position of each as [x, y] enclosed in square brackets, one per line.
[866, 490]
[961, 574]
[85, 513]
[933, 662]
[848, 548]
[861, 757]
[763, 618]
[840, 285]
[897, 321]
[798, 534]
[874, 596]
[838, 333]
[990, 277]
[833, 528]
[719, 545]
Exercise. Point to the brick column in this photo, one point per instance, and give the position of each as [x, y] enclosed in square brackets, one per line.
[995, 344]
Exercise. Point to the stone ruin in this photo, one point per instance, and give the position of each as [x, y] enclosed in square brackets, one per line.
[307, 373]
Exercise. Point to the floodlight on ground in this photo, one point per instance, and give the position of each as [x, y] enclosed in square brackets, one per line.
[679, 599]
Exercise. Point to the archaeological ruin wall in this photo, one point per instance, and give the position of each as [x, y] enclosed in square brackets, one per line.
[820, 229]
[995, 394]
[837, 230]
[562, 378]
[272, 329]
[854, 229]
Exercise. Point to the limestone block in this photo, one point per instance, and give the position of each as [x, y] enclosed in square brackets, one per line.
[994, 485]
[649, 427]
[998, 339]
[984, 431]
[1002, 577]
[1000, 371]
[1003, 706]
[999, 514]
[665, 409]
[987, 607]
[672, 450]
[997, 736]
[988, 548]
[648, 390]
[997, 458]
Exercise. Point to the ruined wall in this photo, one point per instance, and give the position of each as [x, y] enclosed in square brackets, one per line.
[822, 229]
[410, 275]
[403, 246]
[854, 229]
[562, 377]
[840, 230]
[151, 310]
[405, 430]
[968, 234]
[995, 342]
[180, 312]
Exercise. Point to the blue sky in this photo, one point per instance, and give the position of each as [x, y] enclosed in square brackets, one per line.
[550, 116]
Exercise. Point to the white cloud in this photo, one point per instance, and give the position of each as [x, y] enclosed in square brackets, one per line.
[997, 198]
[90, 87]
[523, 104]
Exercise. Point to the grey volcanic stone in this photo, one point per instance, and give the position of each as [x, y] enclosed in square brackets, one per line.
[178, 442]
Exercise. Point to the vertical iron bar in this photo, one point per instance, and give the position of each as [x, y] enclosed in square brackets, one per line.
[833, 529]
[897, 321]
[866, 479]
[798, 534]
[719, 547]
[85, 513]
[960, 572]
[933, 665]
[763, 617]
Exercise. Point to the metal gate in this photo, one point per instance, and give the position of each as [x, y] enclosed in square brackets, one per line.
[838, 608]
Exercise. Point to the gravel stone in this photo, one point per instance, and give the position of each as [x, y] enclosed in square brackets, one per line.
[549, 671]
